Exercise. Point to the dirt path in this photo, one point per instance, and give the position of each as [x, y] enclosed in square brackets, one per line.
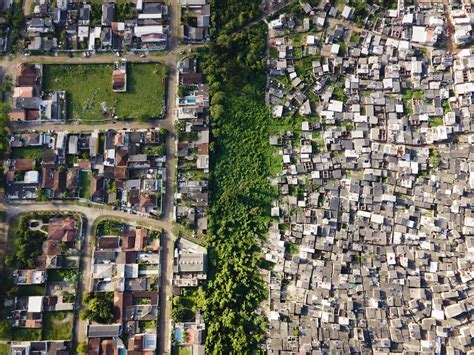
[27, 7]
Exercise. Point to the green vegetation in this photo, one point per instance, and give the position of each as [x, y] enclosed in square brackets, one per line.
[355, 38]
[407, 106]
[25, 334]
[5, 329]
[155, 150]
[17, 21]
[181, 350]
[273, 52]
[446, 106]
[68, 297]
[4, 111]
[184, 307]
[339, 94]
[27, 153]
[435, 121]
[342, 48]
[58, 275]
[434, 158]
[293, 9]
[241, 195]
[291, 248]
[57, 325]
[229, 15]
[85, 182]
[99, 307]
[349, 126]
[413, 94]
[297, 39]
[150, 324]
[28, 244]
[4, 349]
[88, 86]
[30, 290]
[360, 12]
[109, 227]
[81, 348]
[304, 67]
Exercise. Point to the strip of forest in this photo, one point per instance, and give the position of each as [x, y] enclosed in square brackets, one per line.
[239, 188]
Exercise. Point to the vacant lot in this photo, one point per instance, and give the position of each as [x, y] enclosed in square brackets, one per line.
[57, 325]
[89, 90]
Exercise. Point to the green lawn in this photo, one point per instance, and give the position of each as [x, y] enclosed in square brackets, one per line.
[86, 184]
[57, 325]
[4, 349]
[88, 86]
[31, 290]
[181, 350]
[24, 334]
[27, 152]
[151, 324]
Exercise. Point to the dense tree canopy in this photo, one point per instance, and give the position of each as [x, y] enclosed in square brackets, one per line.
[240, 192]
[99, 307]
[229, 15]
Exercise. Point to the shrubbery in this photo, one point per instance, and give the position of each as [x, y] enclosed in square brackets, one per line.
[240, 192]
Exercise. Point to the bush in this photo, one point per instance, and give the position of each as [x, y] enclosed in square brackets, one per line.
[82, 347]
[241, 195]
[99, 307]
[28, 245]
[434, 159]
[5, 330]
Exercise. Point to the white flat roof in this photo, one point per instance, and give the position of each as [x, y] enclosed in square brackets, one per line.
[35, 304]
[146, 30]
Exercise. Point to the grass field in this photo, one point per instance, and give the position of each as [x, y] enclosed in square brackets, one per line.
[86, 184]
[88, 86]
[57, 325]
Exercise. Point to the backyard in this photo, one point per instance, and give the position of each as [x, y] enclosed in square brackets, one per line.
[25, 334]
[60, 275]
[27, 153]
[90, 96]
[57, 325]
[86, 184]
